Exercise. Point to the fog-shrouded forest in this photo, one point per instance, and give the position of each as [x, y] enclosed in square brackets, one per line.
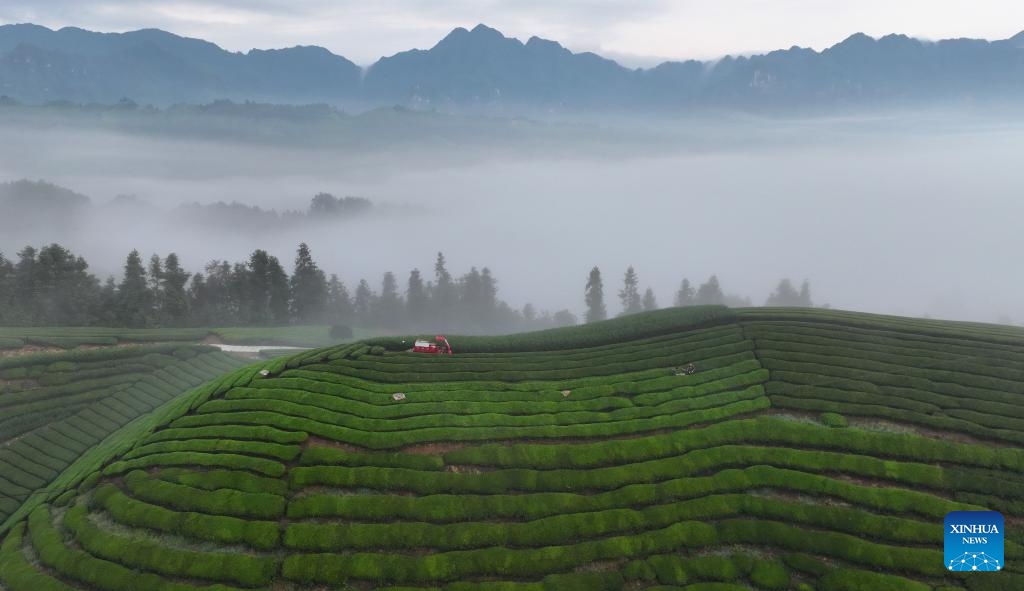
[911, 213]
[52, 286]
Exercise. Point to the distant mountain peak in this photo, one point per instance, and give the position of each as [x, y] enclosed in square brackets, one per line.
[482, 29]
[478, 35]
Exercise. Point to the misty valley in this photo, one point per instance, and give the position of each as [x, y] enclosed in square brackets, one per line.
[499, 312]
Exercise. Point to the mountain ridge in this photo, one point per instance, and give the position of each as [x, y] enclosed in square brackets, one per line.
[482, 69]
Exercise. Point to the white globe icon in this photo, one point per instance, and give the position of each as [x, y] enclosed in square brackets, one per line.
[974, 561]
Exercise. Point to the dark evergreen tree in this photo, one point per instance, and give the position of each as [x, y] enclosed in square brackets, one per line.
[364, 303]
[62, 292]
[389, 305]
[471, 300]
[339, 302]
[220, 305]
[630, 294]
[805, 295]
[309, 289]
[685, 296]
[564, 318]
[709, 293]
[135, 300]
[239, 293]
[785, 295]
[199, 301]
[10, 313]
[649, 301]
[529, 316]
[106, 306]
[445, 294]
[155, 280]
[25, 283]
[174, 304]
[416, 299]
[488, 296]
[593, 295]
[267, 294]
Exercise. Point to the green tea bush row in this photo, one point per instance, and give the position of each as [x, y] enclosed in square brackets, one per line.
[17, 573]
[630, 383]
[692, 463]
[851, 365]
[847, 579]
[970, 356]
[140, 553]
[284, 453]
[245, 432]
[625, 355]
[215, 479]
[992, 419]
[222, 460]
[87, 355]
[414, 408]
[501, 562]
[916, 362]
[374, 440]
[329, 456]
[639, 416]
[573, 527]
[445, 508]
[180, 497]
[81, 566]
[811, 326]
[988, 333]
[837, 545]
[761, 430]
[11, 343]
[916, 389]
[886, 412]
[696, 335]
[466, 371]
[617, 330]
[78, 387]
[215, 528]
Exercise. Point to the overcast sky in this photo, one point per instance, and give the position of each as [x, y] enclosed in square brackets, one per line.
[635, 31]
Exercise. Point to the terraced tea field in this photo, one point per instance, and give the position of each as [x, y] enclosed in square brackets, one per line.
[810, 450]
[55, 407]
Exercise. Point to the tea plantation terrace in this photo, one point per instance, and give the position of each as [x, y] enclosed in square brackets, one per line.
[810, 449]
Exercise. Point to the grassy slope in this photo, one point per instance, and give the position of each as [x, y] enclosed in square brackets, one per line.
[487, 473]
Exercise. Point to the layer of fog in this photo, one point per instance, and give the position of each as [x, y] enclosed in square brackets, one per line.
[919, 221]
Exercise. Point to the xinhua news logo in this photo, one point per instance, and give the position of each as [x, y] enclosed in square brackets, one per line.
[974, 541]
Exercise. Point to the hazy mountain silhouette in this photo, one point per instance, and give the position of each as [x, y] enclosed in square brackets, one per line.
[481, 69]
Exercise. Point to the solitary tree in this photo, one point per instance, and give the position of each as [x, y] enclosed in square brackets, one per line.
[630, 294]
[135, 302]
[710, 292]
[389, 304]
[649, 301]
[685, 295]
[308, 287]
[593, 295]
[564, 318]
[339, 302]
[784, 295]
[445, 294]
[363, 303]
[174, 301]
[416, 298]
[805, 295]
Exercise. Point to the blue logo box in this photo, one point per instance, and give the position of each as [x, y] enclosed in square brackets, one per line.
[974, 541]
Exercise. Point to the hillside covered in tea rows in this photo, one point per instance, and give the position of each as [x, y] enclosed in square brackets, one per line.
[808, 449]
